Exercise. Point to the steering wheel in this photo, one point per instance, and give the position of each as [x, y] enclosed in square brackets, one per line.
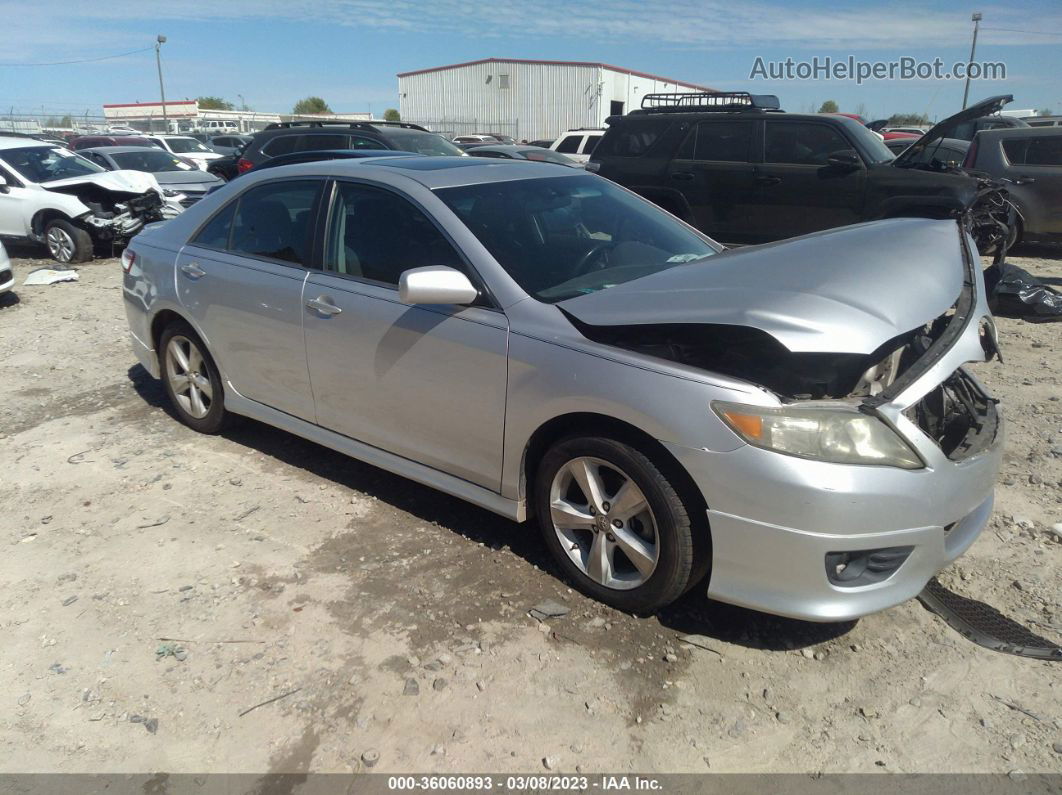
[587, 263]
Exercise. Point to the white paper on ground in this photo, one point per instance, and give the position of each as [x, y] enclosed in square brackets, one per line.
[49, 276]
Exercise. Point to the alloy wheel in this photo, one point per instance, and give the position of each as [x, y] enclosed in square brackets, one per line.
[60, 244]
[604, 523]
[188, 376]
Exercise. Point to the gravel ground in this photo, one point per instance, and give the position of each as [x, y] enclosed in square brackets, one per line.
[159, 584]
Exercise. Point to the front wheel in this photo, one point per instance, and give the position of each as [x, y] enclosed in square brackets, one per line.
[66, 242]
[614, 523]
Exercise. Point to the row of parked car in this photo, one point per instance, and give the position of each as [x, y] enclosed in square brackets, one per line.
[732, 164]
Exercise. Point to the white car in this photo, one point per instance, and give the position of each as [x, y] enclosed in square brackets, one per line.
[7, 278]
[218, 127]
[578, 144]
[51, 195]
[187, 147]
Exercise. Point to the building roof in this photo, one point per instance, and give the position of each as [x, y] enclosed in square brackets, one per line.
[598, 64]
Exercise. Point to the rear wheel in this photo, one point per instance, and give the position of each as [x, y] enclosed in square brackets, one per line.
[615, 525]
[191, 379]
[66, 242]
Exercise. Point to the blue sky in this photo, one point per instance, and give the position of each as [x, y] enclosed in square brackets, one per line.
[272, 52]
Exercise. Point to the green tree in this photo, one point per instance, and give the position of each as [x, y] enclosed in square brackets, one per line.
[214, 103]
[310, 105]
[829, 106]
[908, 119]
[392, 115]
[1045, 112]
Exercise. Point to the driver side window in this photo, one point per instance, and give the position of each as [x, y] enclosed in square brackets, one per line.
[375, 235]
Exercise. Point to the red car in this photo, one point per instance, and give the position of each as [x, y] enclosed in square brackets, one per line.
[88, 141]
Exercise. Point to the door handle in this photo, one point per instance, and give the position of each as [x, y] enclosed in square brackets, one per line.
[323, 306]
[192, 269]
[682, 176]
[766, 179]
[1023, 180]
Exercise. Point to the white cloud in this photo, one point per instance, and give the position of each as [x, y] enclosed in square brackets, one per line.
[686, 24]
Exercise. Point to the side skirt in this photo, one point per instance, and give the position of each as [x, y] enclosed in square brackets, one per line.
[470, 492]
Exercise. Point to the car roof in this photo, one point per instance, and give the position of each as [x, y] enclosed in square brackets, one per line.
[1020, 132]
[114, 150]
[10, 142]
[431, 172]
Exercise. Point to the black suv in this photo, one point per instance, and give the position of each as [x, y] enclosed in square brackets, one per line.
[305, 136]
[742, 171]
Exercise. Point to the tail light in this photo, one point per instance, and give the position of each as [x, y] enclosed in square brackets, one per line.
[128, 260]
[243, 165]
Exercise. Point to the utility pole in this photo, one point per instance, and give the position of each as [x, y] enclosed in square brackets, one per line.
[973, 48]
[159, 41]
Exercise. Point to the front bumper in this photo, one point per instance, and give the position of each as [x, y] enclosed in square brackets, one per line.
[774, 518]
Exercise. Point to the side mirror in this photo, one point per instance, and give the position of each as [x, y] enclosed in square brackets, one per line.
[435, 285]
[847, 159]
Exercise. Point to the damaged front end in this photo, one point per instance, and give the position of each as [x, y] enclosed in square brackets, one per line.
[814, 356]
[991, 216]
[114, 216]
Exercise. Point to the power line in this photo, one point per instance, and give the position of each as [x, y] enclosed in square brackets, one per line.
[81, 60]
[1036, 32]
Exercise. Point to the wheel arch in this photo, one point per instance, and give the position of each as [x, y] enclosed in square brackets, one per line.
[41, 218]
[593, 424]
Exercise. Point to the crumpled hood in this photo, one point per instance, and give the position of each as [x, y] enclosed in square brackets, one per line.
[847, 290]
[123, 181]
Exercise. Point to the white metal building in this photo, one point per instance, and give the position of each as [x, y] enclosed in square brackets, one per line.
[526, 99]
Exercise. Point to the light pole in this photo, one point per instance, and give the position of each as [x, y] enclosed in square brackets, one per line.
[973, 48]
[159, 41]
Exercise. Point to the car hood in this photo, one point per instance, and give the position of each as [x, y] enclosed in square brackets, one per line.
[122, 181]
[194, 177]
[847, 290]
[942, 129]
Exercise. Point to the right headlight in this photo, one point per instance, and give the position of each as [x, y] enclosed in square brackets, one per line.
[837, 434]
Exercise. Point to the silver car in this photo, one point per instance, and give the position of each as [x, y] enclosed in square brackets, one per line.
[787, 427]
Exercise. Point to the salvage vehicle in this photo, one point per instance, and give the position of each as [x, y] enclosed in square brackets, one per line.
[51, 195]
[523, 152]
[285, 138]
[1029, 161]
[7, 278]
[181, 182]
[736, 167]
[786, 427]
[187, 147]
[578, 143]
[79, 142]
[948, 152]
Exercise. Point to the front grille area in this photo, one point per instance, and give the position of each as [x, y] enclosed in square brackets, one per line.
[958, 416]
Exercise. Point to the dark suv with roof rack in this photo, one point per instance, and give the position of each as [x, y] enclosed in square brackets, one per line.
[313, 136]
[741, 170]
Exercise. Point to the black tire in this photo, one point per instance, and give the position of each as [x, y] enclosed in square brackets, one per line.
[675, 564]
[216, 417]
[1015, 233]
[67, 243]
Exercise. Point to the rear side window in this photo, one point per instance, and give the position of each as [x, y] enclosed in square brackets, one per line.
[1044, 151]
[591, 143]
[281, 145]
[631, 140]
[801, 143]
[1015, 149]
[313, 143]
[273, 220]
[724, 141]
[570, 144]
[216, 233]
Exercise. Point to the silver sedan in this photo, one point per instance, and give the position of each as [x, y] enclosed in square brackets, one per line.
[786, 427]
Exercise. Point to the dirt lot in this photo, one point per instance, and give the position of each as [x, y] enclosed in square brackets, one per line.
[392, 622]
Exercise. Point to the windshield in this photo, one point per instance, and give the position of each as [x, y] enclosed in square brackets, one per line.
[422, 142]
[182, 145]
[150, 160]
[567, 236]
[873, 147]
[547, 156]
[47, 163]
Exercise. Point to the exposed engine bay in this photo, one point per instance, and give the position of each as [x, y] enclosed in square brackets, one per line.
[114, 215]
[991, 216]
